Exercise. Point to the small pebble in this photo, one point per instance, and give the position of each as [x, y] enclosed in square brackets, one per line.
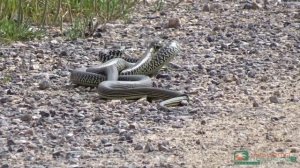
[123, 124]
[63, 53]
[206, 8]
[294, 150]
[274, 99]
[255, 104]
[164, 76]
[279, 150]
[57, 154]
[210, 38]
[26, 117]
[252, 74]
[163, 147]
[138, 146]
[252, 5]
[177, 125]
[44, 84]
[133, 125]
[5, 166]
[149, 147]
[44, 114]
[228, 78]
[173, 23]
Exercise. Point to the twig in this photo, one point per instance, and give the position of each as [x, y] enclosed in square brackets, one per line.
[57, 11]
[175, 5]
[43, 22]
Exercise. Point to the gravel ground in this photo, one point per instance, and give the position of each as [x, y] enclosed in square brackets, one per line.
[240, 66]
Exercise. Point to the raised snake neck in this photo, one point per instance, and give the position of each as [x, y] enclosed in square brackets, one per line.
[92, 76]
[152, 63]
[118, 53]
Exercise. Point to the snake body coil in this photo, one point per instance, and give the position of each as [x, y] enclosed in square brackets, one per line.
[118, 78]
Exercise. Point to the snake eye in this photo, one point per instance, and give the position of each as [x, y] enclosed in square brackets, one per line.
[156, 44]
[157, 47]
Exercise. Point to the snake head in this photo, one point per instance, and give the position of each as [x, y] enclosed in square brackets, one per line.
[155, 44]
[169, 51]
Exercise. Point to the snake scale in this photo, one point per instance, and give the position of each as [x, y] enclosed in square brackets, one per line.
[118, 78]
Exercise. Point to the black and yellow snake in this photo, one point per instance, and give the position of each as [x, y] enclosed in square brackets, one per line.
[117, 78]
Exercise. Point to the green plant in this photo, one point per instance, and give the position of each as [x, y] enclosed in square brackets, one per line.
[6, 79]
[42, 13]
[77, 30]
[10, 30]
[159, 4]
[115, 9]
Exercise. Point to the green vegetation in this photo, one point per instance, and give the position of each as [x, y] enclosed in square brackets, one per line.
[77, 30]
[159, 5]
[16, 15]
[13, 31]
[5, 79]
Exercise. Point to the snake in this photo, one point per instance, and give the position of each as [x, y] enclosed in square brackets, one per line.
[118, 78]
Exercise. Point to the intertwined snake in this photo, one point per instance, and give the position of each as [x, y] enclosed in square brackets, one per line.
[117, 78]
